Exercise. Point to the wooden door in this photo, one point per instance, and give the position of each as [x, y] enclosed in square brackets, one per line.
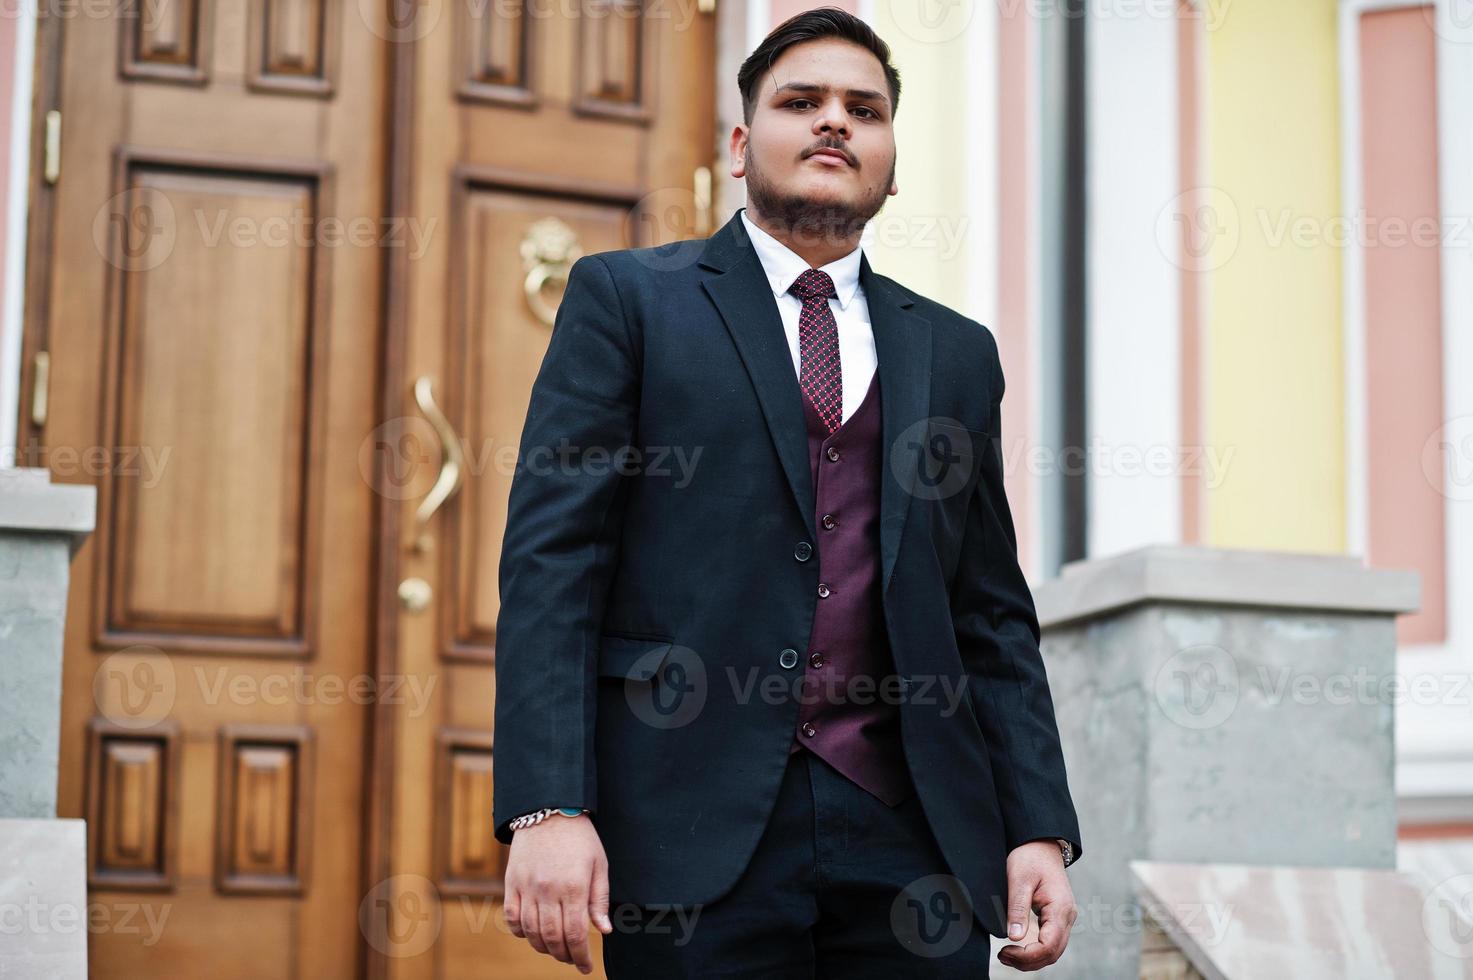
[541, 131]
[285, 263]
[211, 317]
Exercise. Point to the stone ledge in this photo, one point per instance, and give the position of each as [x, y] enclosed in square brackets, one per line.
[43, 888]
[1223, 576]
[31, 503]
[1241, 922]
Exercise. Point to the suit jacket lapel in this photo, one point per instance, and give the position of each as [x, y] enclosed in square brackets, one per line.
[740, 290]
[738, 286]
[903, 348]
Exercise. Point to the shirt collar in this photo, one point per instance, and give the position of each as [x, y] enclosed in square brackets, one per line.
[783, 265]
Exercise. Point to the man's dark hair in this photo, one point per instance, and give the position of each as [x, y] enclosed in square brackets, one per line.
[812, 25]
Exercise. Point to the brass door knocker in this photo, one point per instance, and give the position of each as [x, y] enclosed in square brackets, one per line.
[549, 250]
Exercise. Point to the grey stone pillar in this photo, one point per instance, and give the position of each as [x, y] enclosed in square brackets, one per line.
[41, 526]
[1219, 706]
[42, 860]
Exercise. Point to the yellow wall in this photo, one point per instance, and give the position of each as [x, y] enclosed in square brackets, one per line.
[930, 168]
[1273, 352]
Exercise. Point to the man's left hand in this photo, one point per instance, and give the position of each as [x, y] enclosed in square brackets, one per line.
[1036, 880]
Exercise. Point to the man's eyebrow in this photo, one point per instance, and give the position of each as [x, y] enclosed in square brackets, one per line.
[815, 88]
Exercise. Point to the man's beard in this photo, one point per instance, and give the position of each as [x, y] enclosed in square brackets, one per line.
[809, 221]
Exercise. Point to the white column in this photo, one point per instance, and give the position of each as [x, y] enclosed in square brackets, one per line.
[1132, 293]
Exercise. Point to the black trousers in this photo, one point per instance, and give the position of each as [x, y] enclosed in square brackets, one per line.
[840, 886]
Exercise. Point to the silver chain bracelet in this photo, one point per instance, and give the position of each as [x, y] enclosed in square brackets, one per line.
[537, 816]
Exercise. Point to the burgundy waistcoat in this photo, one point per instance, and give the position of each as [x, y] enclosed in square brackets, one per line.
[853, 727]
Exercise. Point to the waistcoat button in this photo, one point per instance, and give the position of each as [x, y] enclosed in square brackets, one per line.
[788, 658]
[803, 551]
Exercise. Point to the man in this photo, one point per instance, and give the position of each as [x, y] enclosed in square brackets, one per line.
[763, 638]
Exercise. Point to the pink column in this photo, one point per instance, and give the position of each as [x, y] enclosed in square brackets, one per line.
[1401, 235]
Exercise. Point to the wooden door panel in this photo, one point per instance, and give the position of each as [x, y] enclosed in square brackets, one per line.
[497, 345]
[469, 861]
[172, 45]
[214, 341]
[226, 395]
[610, 80]
[492, 58]
[543, 132]
[293, 46]
[265, 811]
[133, 813]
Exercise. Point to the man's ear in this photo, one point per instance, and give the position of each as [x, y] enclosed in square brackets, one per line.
[739, 150]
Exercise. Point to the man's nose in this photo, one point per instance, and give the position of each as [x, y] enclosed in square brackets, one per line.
[834, 118]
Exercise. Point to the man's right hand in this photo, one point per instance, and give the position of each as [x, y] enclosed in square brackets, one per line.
[557, 877]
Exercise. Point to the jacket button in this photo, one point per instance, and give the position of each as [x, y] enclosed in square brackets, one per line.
[788, 658]
[816, 660]
[833, 454]
[809, 730]
[803, 551]
[823, 591]
[829, 520]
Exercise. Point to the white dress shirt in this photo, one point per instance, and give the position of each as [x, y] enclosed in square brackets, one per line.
[851, 312]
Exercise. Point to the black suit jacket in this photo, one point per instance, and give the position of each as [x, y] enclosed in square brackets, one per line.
[651, 576]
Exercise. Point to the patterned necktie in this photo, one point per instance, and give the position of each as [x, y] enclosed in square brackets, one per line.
[819, 373]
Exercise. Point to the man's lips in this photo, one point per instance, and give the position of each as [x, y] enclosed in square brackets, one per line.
[830, 156]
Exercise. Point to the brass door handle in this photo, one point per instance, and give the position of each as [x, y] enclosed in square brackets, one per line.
[40, 387]
[701, 184]
[452, 460]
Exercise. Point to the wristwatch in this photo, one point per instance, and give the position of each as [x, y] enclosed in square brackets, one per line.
[1067, 849]
[537, 816]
